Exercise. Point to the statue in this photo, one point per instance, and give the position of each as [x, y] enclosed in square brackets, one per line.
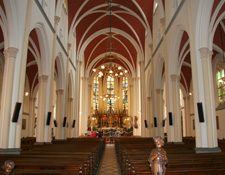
[158, 158]
[8, 166]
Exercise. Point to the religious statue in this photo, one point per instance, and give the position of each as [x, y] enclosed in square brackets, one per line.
[158, 158]
[8, 166]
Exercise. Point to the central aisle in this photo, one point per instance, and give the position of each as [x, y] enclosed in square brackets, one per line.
[109, 165]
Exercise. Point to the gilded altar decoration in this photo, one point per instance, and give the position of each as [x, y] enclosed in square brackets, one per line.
[158, 158]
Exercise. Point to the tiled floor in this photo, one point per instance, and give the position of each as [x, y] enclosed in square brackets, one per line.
[109, 165]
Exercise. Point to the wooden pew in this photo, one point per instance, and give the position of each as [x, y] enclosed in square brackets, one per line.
[133, 155]
[74, 156]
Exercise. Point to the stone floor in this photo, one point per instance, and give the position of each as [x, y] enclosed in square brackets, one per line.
[109, 164]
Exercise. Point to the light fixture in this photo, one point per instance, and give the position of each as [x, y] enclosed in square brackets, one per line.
[121, 73]
[94, 70]
[110, 71]
[125, 71]
[116, 74]
[26, 93]
[103, 67]
[119, 68]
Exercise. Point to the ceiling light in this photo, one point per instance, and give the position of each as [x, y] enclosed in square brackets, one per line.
[125, 71]
[26, 93]
[119, 68]
[103, 67]
[94, 70]
[110, 71]
[116, 74]
[121, 73]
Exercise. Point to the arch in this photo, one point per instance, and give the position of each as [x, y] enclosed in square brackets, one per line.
[97, 59]
[158, 72]
[71, 85]
[202, 23]
[211, 35]
[80, 53]
[173, 62]
[60, 80]
[12, 23]
[44, 48]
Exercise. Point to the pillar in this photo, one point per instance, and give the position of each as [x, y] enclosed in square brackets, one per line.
[210, 135]
[176, 108]
[42, 111]
[84, 114]
[143, 98]
[32, 101]
[159, 97]
[59, 114]
[77, 99]
[7, 86]
[187, 115]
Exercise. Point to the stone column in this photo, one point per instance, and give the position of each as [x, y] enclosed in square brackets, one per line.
[59, 114]
[48, 128]
[159, 97]
[7, 86]
[143, 99]
[67, 84]
[32, 101]
[77, 97]
[176, 108]
[187, 115]
[208, 104]
[84, 114]
[42, 111]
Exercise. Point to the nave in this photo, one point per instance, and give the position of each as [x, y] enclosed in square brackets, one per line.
[128, 156]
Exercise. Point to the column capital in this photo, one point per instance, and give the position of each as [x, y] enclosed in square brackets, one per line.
[175, 77]
[69, 46]
[57, 19]
[150, 46]
[159, 91]
[43, 78]
[205, 52]
[162, 21]
[59, 91]
[33, 99]
[11, 52]
[141, 61]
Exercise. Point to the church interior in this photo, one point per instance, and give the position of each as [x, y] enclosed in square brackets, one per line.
[87, 85]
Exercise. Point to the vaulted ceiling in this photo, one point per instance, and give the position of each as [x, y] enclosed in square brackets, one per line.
[131, 21]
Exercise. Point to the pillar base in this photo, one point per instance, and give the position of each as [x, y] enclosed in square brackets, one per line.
[208, 150]
[10, 151]
[39, 143]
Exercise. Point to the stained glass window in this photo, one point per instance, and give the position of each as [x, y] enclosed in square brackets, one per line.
[110, 93]
[125, 92]
[95, 94]
[220, 85]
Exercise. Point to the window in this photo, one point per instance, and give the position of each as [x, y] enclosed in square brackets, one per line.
[220, 84]
[110, 93]
[125, 92]
[95, 94]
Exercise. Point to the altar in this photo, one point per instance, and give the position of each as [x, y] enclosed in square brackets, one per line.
[110, 121]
